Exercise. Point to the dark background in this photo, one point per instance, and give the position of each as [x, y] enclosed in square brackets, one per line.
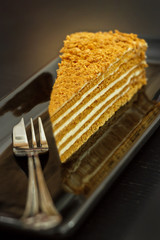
[32, 32]
[31, 35]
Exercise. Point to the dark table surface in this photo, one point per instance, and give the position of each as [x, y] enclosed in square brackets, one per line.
[32, 32]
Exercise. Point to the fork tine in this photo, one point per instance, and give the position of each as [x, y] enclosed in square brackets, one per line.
[43, 140]
[34, 142]
[20, 136]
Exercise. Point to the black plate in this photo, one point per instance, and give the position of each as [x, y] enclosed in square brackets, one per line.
[78, 185]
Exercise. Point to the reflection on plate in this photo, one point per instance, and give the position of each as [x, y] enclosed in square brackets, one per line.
[107, 147]
[76, 185]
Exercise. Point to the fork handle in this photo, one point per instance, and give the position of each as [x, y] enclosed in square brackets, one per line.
[40, 212]
[32, 206]
[46, 203]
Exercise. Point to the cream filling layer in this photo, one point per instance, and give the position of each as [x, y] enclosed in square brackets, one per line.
[89, 102]
[79, 125]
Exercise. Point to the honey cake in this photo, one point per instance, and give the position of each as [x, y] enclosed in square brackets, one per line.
[99, 73]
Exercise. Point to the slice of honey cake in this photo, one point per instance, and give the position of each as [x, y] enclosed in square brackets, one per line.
[99, 73]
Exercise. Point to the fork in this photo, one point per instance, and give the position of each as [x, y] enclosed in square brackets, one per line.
[40, 212]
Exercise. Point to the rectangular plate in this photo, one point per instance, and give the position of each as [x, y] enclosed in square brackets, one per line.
[75, 186]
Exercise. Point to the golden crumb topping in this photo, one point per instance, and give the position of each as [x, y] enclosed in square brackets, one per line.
[84, 57]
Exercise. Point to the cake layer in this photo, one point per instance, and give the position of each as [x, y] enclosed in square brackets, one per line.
[87, 114]
[73, 146]
[105, 87]
[80, 130]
